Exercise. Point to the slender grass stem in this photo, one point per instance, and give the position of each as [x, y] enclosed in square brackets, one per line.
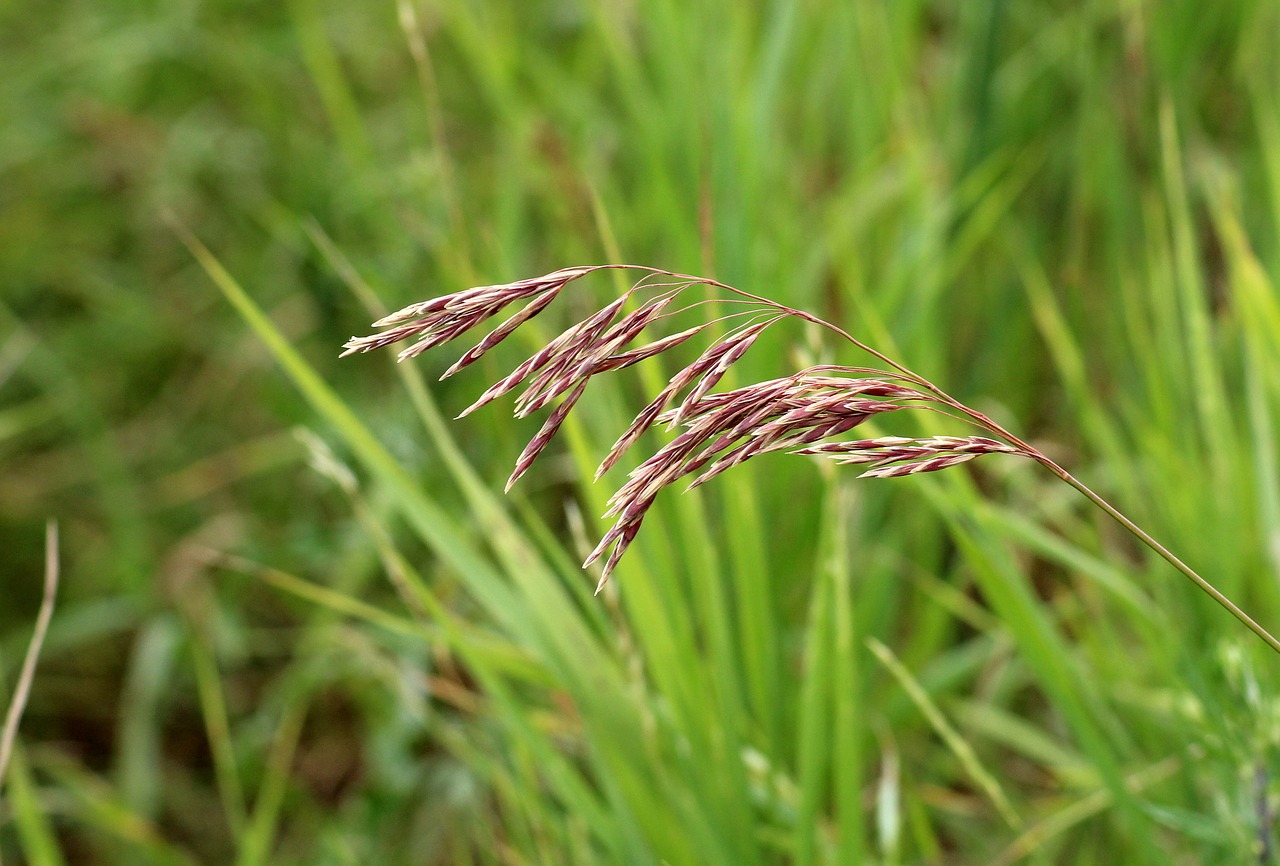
[1141, 534]
[1209, 589]
[9, 732]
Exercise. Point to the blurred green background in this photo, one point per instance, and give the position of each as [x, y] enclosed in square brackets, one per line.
[299, 623]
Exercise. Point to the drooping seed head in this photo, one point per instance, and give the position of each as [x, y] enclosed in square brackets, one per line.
[800, 413]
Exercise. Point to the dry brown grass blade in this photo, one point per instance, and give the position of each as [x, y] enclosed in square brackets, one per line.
[22, 691]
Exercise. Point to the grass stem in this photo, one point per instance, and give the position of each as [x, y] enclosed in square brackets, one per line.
[1211, 590]
[23, 690]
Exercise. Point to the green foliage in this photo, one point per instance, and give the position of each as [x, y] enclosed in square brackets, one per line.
[299, 624]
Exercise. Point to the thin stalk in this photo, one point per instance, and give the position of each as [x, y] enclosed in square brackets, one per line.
[1211, 590]
[1141, 534]
[983, 421]
[9, 733]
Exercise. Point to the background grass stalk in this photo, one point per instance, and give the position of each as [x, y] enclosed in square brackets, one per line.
[22, 690]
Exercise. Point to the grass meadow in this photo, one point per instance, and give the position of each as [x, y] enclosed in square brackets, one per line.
[300, 623]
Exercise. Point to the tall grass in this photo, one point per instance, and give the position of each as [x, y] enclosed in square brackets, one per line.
[346, 646]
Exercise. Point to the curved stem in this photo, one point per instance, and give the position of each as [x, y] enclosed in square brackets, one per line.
[1208, 588]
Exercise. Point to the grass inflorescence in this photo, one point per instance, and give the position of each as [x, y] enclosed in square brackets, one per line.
[723, 429]
[719, 430]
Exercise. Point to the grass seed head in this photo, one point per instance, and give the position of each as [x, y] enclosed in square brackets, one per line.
[717, 430]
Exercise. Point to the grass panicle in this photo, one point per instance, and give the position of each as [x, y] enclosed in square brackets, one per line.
[717, 430]
[799, 413]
